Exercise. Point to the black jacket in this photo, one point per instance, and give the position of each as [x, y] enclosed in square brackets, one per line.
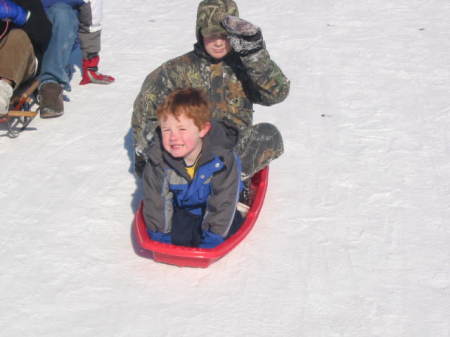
[38, 27]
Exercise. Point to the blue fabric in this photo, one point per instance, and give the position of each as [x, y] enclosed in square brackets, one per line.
[75, 59]
[210, 240]
[160, 237]
[186, 228]
[56, 60]
[11, 10]
[71, 3]
[193, 196]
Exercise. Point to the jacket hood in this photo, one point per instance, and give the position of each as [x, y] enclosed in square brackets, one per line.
[210, 14]
[223, 136]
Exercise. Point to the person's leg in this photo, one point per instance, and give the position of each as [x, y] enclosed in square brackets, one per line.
[258, 146]
[6, 91]
[17, 64]
[90, 29]
[17, 59]
[54, 76]
[90, 40]
[75, 61]
[64, 34]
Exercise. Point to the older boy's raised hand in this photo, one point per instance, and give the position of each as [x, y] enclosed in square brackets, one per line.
[245, 37]
[12, 11]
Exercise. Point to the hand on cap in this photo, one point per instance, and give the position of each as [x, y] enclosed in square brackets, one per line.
[245, 37]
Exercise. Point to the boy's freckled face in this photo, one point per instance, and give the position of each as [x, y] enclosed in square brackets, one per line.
[181, 137]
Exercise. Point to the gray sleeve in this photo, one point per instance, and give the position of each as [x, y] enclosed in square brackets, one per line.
[158, 207]
[221, 205]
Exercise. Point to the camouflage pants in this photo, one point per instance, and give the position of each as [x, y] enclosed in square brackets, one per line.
[258, 145]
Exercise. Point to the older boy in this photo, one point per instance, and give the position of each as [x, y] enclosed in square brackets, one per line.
[231, 64]
[192, 177]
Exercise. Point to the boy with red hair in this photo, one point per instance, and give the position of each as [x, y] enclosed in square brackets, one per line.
[192, 176]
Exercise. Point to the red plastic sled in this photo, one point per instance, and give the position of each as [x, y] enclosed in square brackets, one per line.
[201, 257]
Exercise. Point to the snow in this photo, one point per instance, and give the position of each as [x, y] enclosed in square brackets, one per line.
[354, 237]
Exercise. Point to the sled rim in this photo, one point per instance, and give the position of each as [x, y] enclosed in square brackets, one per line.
[201, 257]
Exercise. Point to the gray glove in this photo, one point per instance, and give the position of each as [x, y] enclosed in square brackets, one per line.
[140, 150]
[245, 37]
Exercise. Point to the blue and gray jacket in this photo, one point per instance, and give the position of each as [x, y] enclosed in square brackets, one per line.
[213, 192]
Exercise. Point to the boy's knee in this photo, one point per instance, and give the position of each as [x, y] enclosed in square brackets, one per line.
[269, 137]
[18, 40]
[267, 129]
[18, 35]
[267, 133]
[60, 8]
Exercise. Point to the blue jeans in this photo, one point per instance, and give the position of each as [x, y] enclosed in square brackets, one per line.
[56, 63]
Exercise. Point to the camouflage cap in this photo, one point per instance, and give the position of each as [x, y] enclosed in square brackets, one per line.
[210, 14]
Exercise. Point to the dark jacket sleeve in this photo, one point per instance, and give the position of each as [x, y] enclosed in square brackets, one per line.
[269, 84]
[171, 75]
[153, 91]
[37, 27]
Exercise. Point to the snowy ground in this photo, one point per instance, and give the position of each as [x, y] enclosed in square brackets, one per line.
[354, 237]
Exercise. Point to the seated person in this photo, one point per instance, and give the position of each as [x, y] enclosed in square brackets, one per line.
[25, 35]
[192, 175]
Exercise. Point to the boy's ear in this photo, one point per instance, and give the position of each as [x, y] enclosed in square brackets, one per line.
[205, 129]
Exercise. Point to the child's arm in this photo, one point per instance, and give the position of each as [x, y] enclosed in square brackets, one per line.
[158, 207]
[221, 205]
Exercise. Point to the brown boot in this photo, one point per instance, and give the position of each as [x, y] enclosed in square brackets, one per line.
[50, 98]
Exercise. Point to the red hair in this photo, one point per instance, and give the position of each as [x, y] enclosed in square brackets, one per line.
[191, 102]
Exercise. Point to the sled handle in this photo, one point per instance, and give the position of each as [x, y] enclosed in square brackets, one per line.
[26, 94]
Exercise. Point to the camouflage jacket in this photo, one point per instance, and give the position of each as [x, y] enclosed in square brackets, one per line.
[232, 85]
